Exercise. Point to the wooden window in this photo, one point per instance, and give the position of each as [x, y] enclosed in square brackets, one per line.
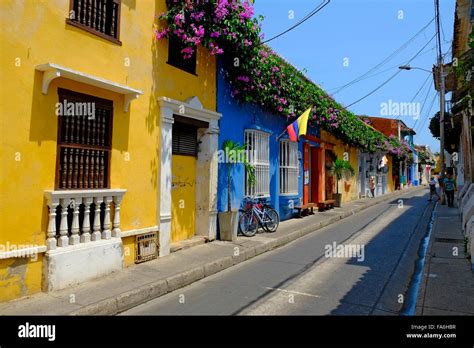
[258, 155]
[184, 139]
[175, 57]
[289, 167]
[84, 141]
[99, 17]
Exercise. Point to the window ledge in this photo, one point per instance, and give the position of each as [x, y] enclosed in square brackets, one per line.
[182, 69]
[56, 195]
[94, 32]
[52, 71]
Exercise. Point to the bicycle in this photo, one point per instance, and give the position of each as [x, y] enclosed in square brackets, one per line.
[258, 213]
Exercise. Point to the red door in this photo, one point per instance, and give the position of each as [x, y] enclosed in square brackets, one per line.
[306, 163]
[314, 174]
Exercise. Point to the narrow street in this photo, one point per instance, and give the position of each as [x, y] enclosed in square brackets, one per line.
[298, 279]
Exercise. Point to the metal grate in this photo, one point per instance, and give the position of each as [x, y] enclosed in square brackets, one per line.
[97, 15]
[258, 155]
[146, 247]
[288, 167]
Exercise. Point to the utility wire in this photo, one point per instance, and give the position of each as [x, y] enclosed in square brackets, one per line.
[391, 77]
[387, 59]
[423, 105]
[301, 21]
[428, 77]
[416, 94]
[428, 113]
[388, 69]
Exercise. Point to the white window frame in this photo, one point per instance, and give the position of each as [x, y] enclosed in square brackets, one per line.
[257, 148]
[289, 168]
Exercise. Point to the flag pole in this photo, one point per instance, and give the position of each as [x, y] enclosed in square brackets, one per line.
[278, 137]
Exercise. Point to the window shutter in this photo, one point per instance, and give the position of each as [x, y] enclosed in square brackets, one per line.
[184, 140]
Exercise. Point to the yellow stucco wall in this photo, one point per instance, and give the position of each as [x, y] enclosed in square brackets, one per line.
[34, 33]
[183, 197]
[348, 188]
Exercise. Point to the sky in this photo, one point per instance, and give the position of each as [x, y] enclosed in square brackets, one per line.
[349, 37]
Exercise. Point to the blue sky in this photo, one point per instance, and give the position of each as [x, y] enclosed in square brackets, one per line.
[349, 37]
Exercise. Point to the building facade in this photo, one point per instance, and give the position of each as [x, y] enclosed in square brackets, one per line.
[90, 115]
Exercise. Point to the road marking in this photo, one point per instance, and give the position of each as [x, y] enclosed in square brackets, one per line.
[293, 292]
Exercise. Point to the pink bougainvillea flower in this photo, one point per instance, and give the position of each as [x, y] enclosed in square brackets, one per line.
[160, 34]
[197, 16]
[187, 52]
[243, 78]
[179, 19]
[221, 10]
[247, 12]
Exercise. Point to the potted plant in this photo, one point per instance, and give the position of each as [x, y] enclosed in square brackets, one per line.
[341, 169]
[234, 153]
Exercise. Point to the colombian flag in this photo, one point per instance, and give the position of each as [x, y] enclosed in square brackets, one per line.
[299, 127]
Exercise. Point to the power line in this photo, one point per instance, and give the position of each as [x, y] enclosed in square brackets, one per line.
[423, 105]
[388, 69]
[416, 94]
[424, 83]
[391, 77]
[428, 113]
[301, 21]
[387, 59]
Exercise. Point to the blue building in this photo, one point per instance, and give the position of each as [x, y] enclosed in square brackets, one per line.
[278, 163]
[413, 167]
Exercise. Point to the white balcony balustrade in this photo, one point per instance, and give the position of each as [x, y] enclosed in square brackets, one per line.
[82, 216]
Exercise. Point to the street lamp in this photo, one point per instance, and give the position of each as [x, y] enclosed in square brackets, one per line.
[407, 67]
[441, 114]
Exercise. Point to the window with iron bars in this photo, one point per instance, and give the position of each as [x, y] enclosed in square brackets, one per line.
[84, 143]
[289, 168]
[258, 154]
[99, 17]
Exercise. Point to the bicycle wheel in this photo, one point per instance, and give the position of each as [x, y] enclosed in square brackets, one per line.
[271, 220]
[248, 224]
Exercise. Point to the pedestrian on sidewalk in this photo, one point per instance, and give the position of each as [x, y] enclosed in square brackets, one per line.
[449, 188]
[433, 189]
[372, 186]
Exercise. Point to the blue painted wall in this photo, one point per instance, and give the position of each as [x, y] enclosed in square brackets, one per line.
[236, 118]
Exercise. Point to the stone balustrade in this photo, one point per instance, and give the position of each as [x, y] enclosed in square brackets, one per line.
[82, 216]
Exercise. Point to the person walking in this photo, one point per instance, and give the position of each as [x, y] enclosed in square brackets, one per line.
[372, 186]
[433, 189]
[449, 188]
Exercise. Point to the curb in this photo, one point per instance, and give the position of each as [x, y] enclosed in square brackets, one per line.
[145, 293]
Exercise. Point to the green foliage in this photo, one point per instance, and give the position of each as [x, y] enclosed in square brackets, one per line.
[341, 169]
[260, 76]
[232, 147]
[452, 130]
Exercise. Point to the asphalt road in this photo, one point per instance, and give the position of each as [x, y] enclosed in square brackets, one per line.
[304, 278]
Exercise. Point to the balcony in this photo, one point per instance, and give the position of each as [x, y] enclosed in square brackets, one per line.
[82, 216]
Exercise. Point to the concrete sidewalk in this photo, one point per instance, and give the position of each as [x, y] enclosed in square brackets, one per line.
[141, 283]
[447, 286]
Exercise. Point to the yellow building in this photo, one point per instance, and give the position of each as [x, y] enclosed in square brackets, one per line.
[95, 121]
